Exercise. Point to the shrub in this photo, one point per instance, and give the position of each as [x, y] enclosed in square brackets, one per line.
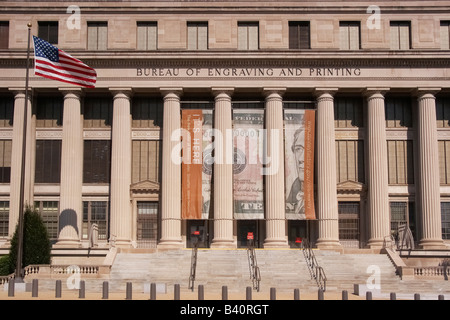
[36, 243]
[4, 266]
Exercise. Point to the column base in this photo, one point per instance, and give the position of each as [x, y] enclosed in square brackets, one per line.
[67, 243]
[328, 244]
[375, 244]
[171, 244]
[120, 243]
[223, 243]
[432, 244]
[275, 243]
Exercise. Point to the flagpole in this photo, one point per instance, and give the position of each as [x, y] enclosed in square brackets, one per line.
[18, 273]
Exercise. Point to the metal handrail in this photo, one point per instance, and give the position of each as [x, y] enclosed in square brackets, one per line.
[193, 266]
[315, 270]
[255, 275]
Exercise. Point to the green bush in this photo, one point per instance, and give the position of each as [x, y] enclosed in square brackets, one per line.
[4, 266]
[36, 243]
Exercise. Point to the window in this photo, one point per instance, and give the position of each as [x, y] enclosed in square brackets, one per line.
[445, 35]
[348, 113]
[147, 113]
[299, 35]
[445, 220]
[49, 211]
[96, 161]
[400, 162]
[98, 112]
[398, 112]
[349, 35]
[402, 213]
[248, 36]
[197, 35]
[95, 212]
[147, 222]
[350, 160]
[443, 112]
[6, 111]
[147, 35]
[49, 112]
[48, 161]
[4, 34]
[400, 35]
[48, 31]
[348, 213]
[5, 161]
[97, 35]
[146, 160]
[444, 161]
[4, 218]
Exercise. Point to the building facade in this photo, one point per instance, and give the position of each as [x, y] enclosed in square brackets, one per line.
[377, 78]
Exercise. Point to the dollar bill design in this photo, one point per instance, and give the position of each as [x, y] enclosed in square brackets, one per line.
[247, 166]
[299, 163]
[208, 162]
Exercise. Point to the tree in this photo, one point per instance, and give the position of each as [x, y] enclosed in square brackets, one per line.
[36, 243]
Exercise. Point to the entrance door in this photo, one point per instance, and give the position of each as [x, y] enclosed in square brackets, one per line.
[243, 228]
[297, 229]
[197, 231]
[147, 224]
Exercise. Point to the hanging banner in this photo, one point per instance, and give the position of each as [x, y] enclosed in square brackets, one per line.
[299, 163]
[191, 166]
[247, 167]
[208, 162]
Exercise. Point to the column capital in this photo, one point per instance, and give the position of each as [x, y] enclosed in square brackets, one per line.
[324, 91]
[121, 92]
[17, 91]
[426, 92]
[71, 93]
[370, 92]
[171, 92]
[222, 90]
[273, 92]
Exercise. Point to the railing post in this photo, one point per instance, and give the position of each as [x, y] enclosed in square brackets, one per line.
[369, 295]
[416, 296]
[201, 292]
[35, 288]
[176, 292]
[248, 293]
[320, 295]
[58, 289]
[152, 291]
[129, 291]
[11, 284]
[273, 294]
[105, 290]
[344, 295]
[296, 294]
[81, 292]
[393, 296]
[441, 297]
[224, 293]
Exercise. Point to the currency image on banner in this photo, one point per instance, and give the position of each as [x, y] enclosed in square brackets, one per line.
[208, 163]
[299, 163]
[248, 186]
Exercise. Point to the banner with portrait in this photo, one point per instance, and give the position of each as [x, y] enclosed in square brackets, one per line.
[247, 166]
[299, 163]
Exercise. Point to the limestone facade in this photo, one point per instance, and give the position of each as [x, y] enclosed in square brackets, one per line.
[377, 77]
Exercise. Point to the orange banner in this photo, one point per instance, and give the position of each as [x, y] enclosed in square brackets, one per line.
[191, 167]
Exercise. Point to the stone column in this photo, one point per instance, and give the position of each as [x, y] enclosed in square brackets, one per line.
[327, 210]
[16, 158]
[223, 170]
[171, 172]
[121, 211]
[274, 186]
[70, 203]
[429, 194]
[378, 196]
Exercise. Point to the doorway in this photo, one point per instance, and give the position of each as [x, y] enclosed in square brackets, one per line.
[297, 229]
[197, 230]
[243, 229]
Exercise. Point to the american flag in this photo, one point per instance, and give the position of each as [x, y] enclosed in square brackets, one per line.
[53, 63]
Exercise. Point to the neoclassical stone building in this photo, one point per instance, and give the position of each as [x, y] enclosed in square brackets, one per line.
[375, 78]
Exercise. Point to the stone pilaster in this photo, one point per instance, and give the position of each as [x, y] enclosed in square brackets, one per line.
[275, 197]
[16, 158]
[71, 210]
[171, 172]
[379, 221]
[121, 211]
[326, 171]
[223, 171]
[429, 194]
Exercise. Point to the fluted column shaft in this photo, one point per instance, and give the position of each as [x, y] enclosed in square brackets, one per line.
[378, 196]
[16, 159]
[223, 171]
[429, 195]
[171, 172]
[275, 198]
[121, 212]
[326, 172]
[71, 210]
